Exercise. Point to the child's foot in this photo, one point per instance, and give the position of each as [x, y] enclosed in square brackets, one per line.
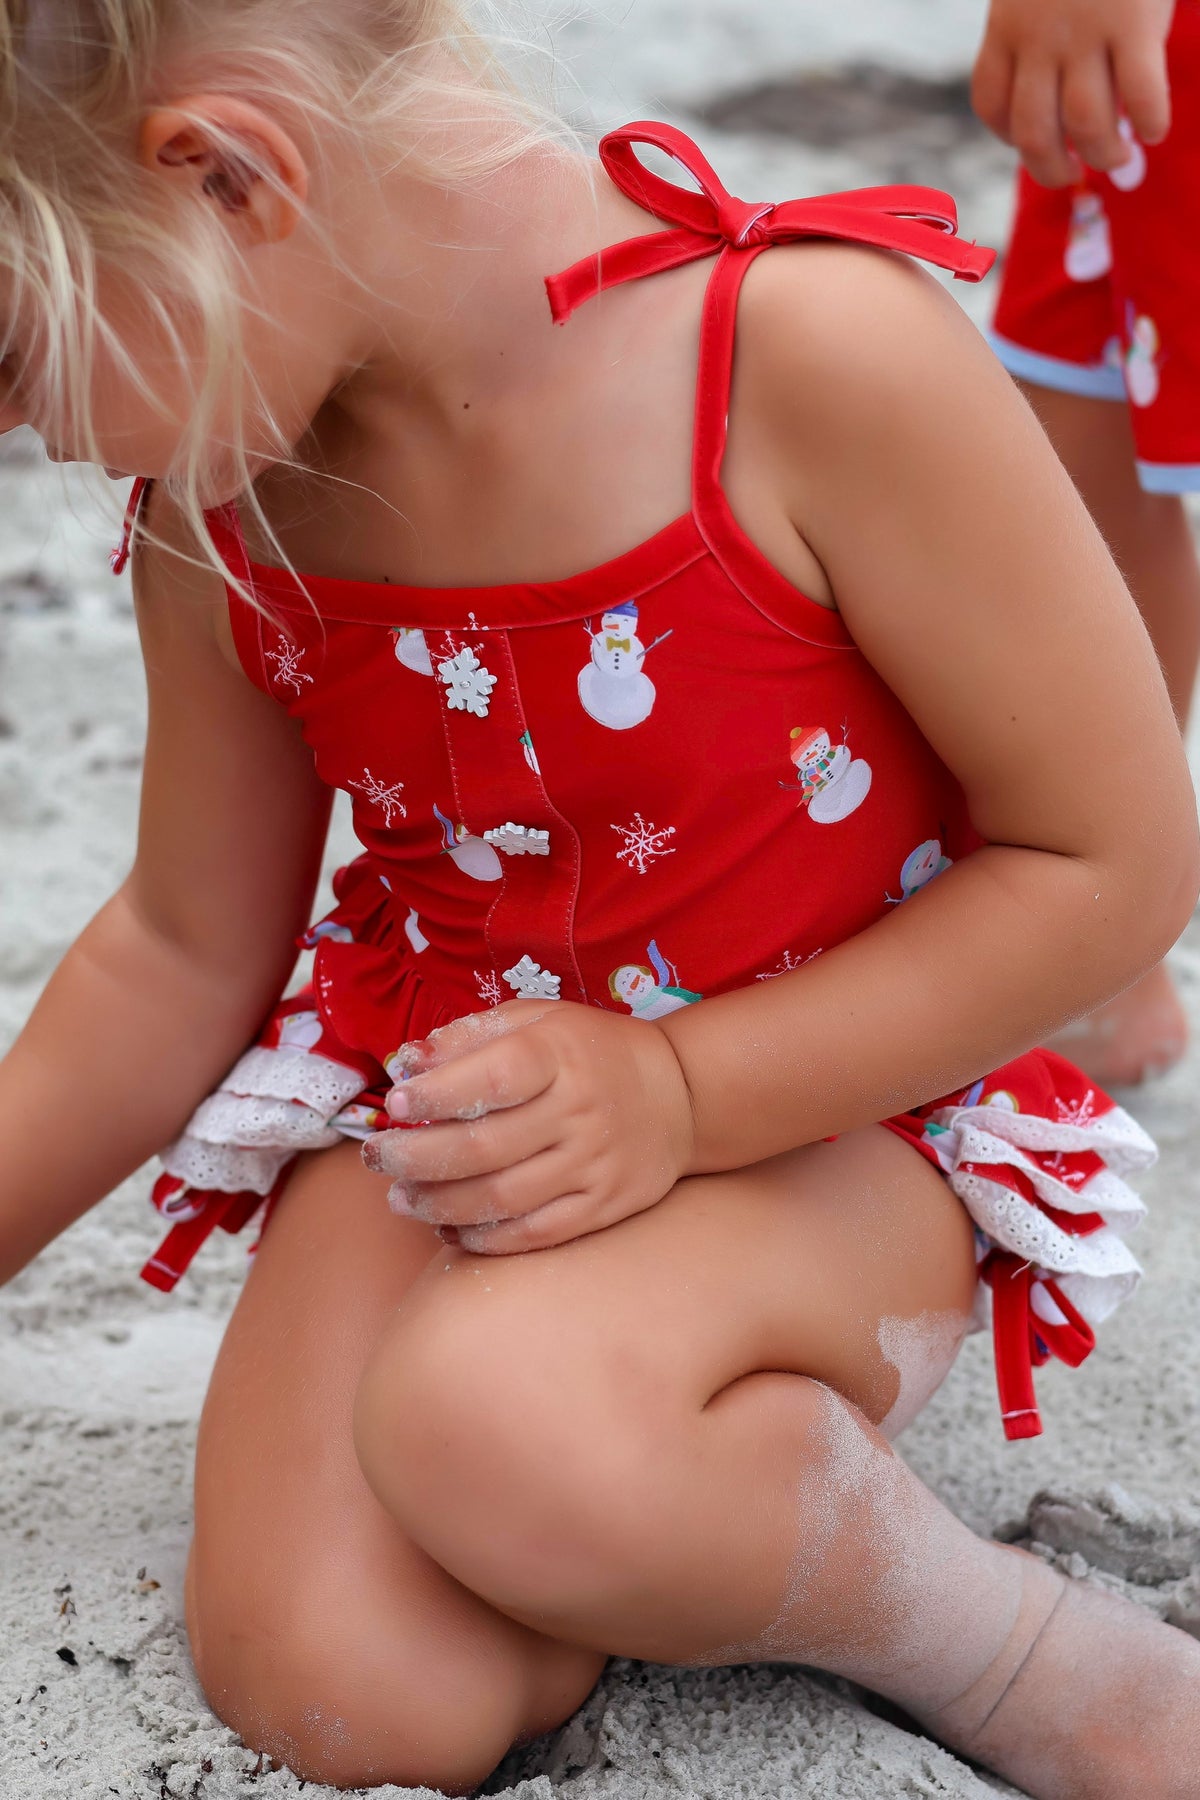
[1140, 1034]
[1091, 1699]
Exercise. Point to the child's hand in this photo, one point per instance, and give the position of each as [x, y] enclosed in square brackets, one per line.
[1056, 76]
[549, 1121]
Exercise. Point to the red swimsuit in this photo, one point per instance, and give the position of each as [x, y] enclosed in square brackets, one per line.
[669, 777]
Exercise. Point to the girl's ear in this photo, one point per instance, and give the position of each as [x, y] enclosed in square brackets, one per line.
[229, 154]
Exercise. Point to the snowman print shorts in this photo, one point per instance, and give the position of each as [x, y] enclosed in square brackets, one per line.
[1101, 288]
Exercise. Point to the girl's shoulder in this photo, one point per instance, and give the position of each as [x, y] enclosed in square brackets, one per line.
[873, 396]
[852, 329]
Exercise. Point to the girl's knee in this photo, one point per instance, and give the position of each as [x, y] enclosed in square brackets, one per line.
[344, 1709]
[517, 1450]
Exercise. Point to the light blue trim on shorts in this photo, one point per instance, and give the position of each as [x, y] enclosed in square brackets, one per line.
[1169, 478]
[1094, 381]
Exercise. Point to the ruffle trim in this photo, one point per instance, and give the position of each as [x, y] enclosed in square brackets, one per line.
[1050, 1192]
[281, 1098]
[292, 1073]
[1050, 1202]
[274, 1103]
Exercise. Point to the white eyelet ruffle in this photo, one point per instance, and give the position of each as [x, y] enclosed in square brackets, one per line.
[981, 1147]
[273, 1104]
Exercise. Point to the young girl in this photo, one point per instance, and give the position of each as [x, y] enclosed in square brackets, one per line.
[1097, 318]
[811, 809]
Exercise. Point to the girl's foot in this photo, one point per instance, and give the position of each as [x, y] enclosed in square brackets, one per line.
[1140, 1034]
[1091, 1699]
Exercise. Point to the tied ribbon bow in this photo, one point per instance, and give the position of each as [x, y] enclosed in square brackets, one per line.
[617, 644]
[919, 221]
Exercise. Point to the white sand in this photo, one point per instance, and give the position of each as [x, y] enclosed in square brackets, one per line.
[101, 1379]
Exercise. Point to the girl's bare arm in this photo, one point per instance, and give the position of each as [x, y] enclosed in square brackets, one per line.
[163, 989]
[871, 412]
[975, 583]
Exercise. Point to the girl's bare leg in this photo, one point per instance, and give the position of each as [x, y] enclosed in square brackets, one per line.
[320, 1632]
[659, 1441]
[1143, 1031]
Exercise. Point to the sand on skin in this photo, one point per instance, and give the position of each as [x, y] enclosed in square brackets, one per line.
[101, 1379]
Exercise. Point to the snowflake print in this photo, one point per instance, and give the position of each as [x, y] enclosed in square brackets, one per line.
[488, 988]
[643, 844]
[518, 840]
[1077, 1112]
[387, 799]
[287, 659]
[530, 981]
[468, 684]
[789, 963]
[1058, 1166]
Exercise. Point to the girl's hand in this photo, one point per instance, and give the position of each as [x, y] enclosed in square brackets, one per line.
[540, 1122]
[1056, 77]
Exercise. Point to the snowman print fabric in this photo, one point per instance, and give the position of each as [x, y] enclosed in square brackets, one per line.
[614, 688]
[833, 782]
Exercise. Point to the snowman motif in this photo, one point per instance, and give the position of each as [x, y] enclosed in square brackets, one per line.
[613, 688]
[650, 992]
[300, 1031]
[397, 1066]
[529, 753]
[177, 1201]
[328, 930]
[413, 932]
[412, 650]
[470, 854]
[1132, 171]
[944, 1139]
[1141, 360]
[833, 783]
[1089, 241]
[358, 1120]
[926, 861]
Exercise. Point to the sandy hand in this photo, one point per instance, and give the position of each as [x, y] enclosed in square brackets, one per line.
[540, 1122]
[1055, 78]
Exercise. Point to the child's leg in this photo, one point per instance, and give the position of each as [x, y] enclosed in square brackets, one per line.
[319, 1631]
[1149, 535]
[1143, 1031]
[642, 1442]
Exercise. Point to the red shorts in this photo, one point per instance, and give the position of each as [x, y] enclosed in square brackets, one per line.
[1101, 287]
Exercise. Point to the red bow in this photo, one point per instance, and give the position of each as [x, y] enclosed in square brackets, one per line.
[916, 220]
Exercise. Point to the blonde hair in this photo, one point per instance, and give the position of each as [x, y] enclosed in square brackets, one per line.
[76, 78]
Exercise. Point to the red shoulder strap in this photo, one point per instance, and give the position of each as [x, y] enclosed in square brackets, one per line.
[119, 557]
[224, 524]
[919, 221]
[709, 221]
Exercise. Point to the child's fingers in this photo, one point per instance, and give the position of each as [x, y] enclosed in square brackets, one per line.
[558, 1222]
[507, 1194]
[463, 1035]
[456, 1151]
[991, 88]
[1090, 113]
[509, 1071]
[1140, 71]
[1037, 128]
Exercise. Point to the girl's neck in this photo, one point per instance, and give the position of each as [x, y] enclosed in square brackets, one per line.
[449, 299]
[445, 393]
